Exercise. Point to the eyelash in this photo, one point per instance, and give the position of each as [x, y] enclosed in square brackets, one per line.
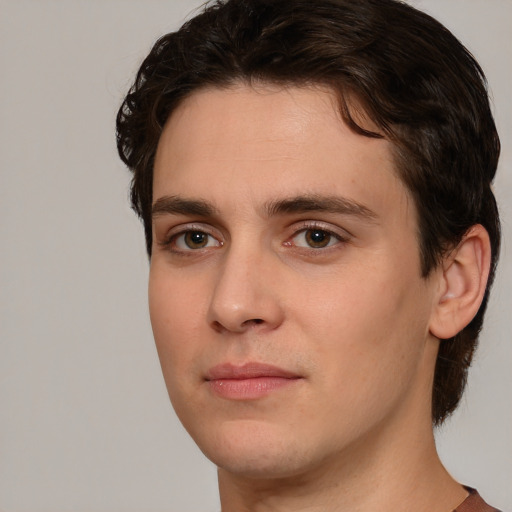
[170, 241]
[319, 227]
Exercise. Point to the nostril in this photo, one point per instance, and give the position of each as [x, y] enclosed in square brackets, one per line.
[255, 321]
[219, 327]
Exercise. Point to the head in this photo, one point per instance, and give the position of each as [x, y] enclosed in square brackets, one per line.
[396, 74]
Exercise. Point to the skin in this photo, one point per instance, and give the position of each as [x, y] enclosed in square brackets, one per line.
[238, 276]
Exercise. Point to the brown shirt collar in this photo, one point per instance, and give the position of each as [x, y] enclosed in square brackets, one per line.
[474, 503]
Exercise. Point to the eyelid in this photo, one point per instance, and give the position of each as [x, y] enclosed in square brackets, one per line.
[340, 233]
[182, 229]
[340, 237]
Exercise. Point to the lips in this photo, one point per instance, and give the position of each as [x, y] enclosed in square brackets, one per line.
[249, 381]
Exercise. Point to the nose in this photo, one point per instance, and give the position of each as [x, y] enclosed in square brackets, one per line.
[246, 295]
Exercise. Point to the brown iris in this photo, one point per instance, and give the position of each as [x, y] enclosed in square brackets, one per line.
[317, 238]
[196, 239]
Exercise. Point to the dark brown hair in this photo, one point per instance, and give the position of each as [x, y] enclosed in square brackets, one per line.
[418, 84]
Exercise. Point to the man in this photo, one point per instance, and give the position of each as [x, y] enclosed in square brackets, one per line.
[314, 180]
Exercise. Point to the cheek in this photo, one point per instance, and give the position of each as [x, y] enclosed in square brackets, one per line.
[176, 312]
[175, 299]
[368, 329]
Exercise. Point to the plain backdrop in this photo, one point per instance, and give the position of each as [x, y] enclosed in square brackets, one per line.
[85, 423]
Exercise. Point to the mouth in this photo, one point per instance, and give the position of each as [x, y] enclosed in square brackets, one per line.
[249, 381]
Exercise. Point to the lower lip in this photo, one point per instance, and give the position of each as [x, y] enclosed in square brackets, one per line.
[249, 389]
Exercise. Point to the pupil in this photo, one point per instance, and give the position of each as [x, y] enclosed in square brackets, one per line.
[318, 238]
[196, 239]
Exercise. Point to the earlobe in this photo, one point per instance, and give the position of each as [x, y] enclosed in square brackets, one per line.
[463, 283]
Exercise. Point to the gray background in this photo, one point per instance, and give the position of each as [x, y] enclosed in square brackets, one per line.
[85, 424]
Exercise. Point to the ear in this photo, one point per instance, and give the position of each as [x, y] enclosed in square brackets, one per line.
[465, 271]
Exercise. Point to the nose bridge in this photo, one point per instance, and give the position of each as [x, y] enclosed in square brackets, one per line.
[245, 293]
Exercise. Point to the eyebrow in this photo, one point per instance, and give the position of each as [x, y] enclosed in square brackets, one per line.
[176, 205]
[320, 203]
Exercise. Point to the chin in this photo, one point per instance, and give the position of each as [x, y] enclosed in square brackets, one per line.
[253, 450]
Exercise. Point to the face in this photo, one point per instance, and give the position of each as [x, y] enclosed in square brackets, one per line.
[286, 299]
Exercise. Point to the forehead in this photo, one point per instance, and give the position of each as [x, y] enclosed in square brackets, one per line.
[268, 141]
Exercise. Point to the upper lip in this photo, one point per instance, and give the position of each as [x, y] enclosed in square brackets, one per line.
[250, 370]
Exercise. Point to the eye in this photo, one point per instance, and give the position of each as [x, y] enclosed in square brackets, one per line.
[315, 238]
[194, 240]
